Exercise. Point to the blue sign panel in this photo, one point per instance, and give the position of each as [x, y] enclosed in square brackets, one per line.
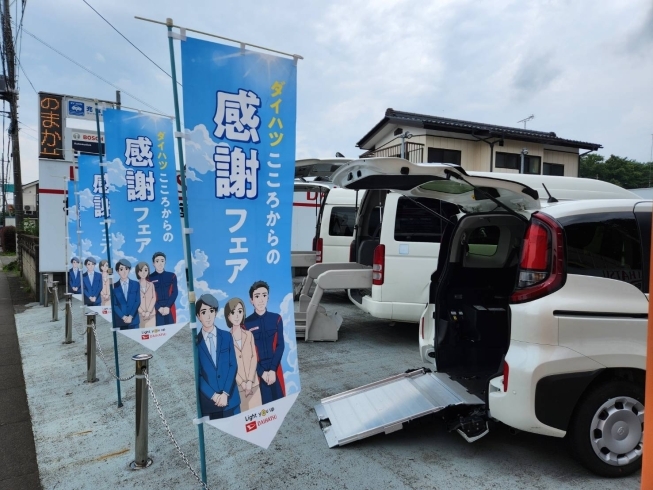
[76, 108]
[239, 113]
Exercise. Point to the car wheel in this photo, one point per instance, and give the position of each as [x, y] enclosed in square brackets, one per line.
[606, 431]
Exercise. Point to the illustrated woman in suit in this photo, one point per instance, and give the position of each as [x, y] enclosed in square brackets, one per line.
[246, 377]
[146, 310]
[105, 293]
[218, 391]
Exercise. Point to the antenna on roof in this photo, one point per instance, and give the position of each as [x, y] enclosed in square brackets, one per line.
[526, 119]
[551, 198]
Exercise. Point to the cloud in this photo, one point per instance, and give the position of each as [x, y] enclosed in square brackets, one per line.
[117, 241]
[534, 74]
[199, 152]
[85, 199]
[291, 367]
[72, 217]
[200, 264]
[183, 313]
[115, 175]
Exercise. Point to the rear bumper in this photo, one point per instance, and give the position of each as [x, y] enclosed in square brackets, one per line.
[529, 363]
[401, 312]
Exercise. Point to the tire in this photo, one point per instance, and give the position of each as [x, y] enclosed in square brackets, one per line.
[617, 405]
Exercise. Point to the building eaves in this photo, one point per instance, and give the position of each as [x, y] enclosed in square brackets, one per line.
[479, 130]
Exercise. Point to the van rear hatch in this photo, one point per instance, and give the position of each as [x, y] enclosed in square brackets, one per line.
[437, 181]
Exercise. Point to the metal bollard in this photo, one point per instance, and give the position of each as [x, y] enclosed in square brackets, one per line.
[55, 301]
[46, 288]
[141, 460]
[69, 318]
[90, 348]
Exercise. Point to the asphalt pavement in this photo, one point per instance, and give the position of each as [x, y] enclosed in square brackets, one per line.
[18, 467]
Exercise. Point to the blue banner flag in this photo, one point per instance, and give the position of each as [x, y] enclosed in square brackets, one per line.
[239, 113]
[88, 278]
[150, 302]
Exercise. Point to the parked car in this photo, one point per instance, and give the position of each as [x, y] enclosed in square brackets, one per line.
[536, 317]
[405, 244]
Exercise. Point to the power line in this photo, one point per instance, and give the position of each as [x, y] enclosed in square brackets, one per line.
[125, 38]
[89, 71]
[20, 65]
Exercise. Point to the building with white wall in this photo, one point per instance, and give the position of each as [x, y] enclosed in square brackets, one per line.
[475, 146]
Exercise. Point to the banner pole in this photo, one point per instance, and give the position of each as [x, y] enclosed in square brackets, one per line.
[106, 237]
[189, 257]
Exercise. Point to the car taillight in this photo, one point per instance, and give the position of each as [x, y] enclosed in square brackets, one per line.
[352, 251]
[318, 251]
[378, 265]
[506, 373]
[542, 266]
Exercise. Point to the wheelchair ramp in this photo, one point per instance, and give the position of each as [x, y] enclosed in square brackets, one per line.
[384, 406]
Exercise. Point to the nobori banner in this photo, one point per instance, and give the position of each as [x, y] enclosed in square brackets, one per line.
[87, 276]
[239, 113]
[149, 301]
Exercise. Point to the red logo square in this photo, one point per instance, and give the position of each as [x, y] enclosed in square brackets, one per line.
[250, 427]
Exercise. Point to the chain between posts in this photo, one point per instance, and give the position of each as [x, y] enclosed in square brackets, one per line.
[170, 435]
[99, 351]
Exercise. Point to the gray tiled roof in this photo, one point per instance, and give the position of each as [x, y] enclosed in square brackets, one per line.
[480, 130]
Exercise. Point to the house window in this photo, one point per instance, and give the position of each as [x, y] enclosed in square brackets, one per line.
[512, 161]
[440, 155]
[554, 169]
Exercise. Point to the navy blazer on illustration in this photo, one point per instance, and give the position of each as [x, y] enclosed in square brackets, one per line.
[74, 281]
[219, 377]
[92, 289]
[126, 306]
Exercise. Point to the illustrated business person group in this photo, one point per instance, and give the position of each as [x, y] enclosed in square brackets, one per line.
[127, 298]
[92, 283]
[219, 397]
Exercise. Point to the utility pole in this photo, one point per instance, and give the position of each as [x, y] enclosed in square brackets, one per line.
[10, 56]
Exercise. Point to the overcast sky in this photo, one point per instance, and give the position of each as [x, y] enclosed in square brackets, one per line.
[584, 69]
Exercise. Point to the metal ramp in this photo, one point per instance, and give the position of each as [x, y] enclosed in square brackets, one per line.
[312, 322]
[384, 406]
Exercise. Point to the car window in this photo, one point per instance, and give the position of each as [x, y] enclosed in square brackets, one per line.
[604, 245]
[341, 222]
[415, 223]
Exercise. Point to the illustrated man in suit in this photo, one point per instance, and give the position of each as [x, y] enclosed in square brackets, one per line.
[267, 328]
[165, 285]
[219, 396]
[74, 277]
[92, 283]
[127, 298]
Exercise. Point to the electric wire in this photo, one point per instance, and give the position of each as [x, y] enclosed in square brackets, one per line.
[90, 71]
[125, 38]
[20, 65]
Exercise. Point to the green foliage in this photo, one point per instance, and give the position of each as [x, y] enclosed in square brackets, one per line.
[8, 238]
[11, 266]
[623, 172]
[31, 226]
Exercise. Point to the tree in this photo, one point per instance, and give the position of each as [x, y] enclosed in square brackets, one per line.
[623, 172]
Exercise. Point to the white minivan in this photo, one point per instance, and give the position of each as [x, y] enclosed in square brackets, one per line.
[537, 317]
[405, 244]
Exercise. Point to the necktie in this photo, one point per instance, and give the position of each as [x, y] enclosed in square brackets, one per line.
[211, 336]
[125, 288]
[90, 278]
